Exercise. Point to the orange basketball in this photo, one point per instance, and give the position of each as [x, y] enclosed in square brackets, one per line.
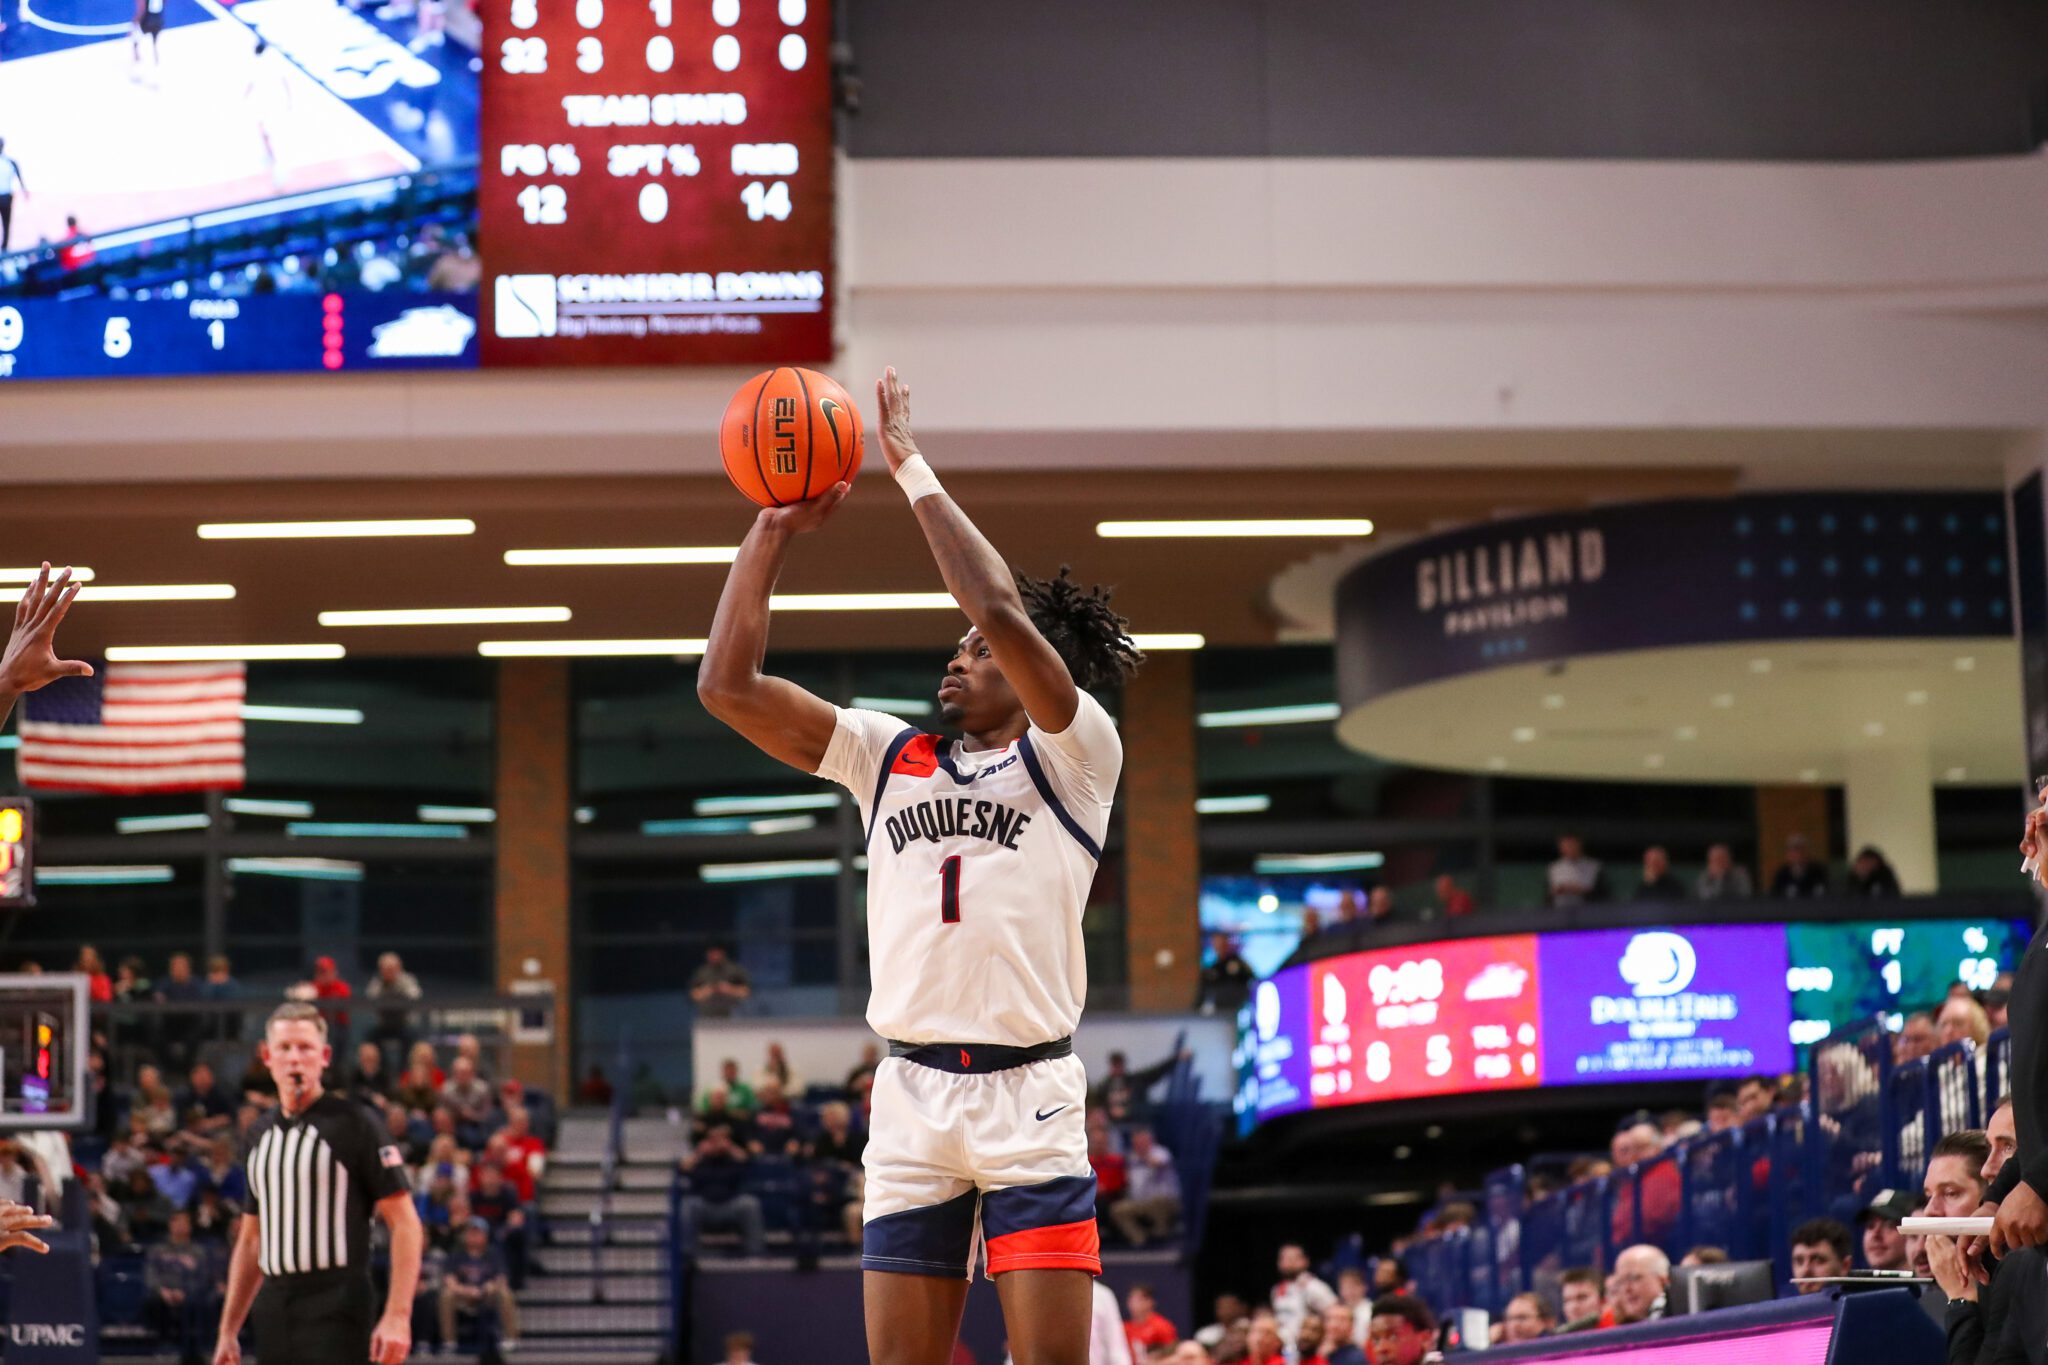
[789, 435]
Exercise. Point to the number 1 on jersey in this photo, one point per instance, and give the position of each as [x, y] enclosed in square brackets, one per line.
[949, 890]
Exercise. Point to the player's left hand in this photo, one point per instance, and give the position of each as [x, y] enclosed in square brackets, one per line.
[892, 404]
[2022, 1221]
[391, 1343]
[15, 1222]
[31, 659]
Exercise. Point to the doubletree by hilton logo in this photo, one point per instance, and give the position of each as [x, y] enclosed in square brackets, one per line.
[1516, 581]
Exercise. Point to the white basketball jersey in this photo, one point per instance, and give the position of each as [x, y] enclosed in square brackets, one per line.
[979, 866]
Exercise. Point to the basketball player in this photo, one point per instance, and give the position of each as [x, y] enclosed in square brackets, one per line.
[981, 852]
[269, 97]
[30, 661]
[11, 180]
[149, 19]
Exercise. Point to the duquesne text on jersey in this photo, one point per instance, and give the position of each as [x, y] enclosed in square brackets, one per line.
[960, 817]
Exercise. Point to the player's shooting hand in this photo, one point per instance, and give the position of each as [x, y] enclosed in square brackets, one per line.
[808, 515]
[892, 404]
[31, 659]
[2022, 1221]
[15, 1222]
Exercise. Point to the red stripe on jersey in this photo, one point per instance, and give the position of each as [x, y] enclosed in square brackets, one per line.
[1065, 1246]
[919, 758]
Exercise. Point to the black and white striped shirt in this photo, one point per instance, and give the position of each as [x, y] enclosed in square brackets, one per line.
[314, 1182]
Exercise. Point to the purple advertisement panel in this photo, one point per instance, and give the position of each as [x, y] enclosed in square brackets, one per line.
[1273, 1048]
[1664, 1004]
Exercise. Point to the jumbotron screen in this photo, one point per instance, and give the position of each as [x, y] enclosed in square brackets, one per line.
[1612, 1006]
[345, 185]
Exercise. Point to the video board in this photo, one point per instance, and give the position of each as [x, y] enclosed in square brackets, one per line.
[327, 186]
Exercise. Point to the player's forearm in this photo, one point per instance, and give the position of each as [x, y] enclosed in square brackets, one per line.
[245, 1276]
[739, 629]
[978, 577]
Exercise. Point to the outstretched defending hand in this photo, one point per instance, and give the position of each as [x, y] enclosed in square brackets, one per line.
[31, 659]
[892, 400]
[15, 1222]
[808, 515]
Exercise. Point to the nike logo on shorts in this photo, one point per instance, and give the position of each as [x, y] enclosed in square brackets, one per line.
[1049, 1113]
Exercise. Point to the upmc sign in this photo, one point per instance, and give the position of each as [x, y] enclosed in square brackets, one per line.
[1653, 575]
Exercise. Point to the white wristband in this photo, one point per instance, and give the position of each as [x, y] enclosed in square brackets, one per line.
[916, 479]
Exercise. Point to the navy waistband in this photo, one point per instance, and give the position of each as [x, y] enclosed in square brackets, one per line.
[975, 1059]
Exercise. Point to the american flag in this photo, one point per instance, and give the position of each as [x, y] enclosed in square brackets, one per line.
[136, 728]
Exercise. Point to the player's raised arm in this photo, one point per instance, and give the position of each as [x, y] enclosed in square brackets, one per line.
[979, 579]
[31, 658]
[783, 720]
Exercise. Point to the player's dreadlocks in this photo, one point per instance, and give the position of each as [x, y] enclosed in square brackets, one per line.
[1090, 638]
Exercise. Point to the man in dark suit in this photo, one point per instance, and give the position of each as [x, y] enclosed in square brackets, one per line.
[2021, 1190]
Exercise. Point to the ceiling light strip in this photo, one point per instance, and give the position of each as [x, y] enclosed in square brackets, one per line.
[1306, 714]
[158, 592]
[448, 616]
[861, 601]
[165, 654]
[565, 649]
[1268, 864]
[79, 574]
[303, 715]
[646, 554]
[320, 530]
[1234, 528]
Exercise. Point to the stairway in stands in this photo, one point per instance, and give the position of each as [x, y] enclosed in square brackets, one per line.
[588, 1300]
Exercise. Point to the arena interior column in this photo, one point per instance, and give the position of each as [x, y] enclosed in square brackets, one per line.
[1162, 853]
[532, 834]
[1890, 805]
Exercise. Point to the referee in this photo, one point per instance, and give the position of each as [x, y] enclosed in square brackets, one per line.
[316, 1170]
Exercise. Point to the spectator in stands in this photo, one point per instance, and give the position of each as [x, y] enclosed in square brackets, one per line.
[1755, 1095]
[1575, 878]
[720, 986]
[1227, 979]
[1871, 877]
[1884, 1246]
[1299, 1295]
[1799, 876]
[717, 1108]
[1390, 1276]
[177, 1275]
[99, 985]
[1262, 1344]
[774, 1122]
[741, 1093]
[1338, 1342]
[1452, 900]
[1955, 1187]
[494, 1200]
[1997, 1002]
[153, 1102]
[326, 984]
[1121, 1094]
[1641, 1275]
[834, 1155]
[1351, 1292]
[369, 1082]
[1379, 905]
[1111, 1174]
[1529, 1317]
[2003, 1137]
[1660, 1186]
[419, 1089]
[864, 1069]
[446, 1165]
[716, 1170]
[1151, 1203]
[392, 982]
[180, 1030]
[739, 1348]
[1660, 883]
[470, 1096]
[1960, 1018]
[1311, 924]
[475, 1282]
[1583, 1292]
[1723, 878]
[1955, 1180]
[213, 1217]
[594, 1089]
[1820, 1250]
[1724, 1111]
[144, 1207]
[777, 1069]
[215, 1112]
[1403, 1330]
[1146, 1327]
[220, 983]
[1232, 1315]
[1917, 1037]
[222, 1172]
[1705, 1255]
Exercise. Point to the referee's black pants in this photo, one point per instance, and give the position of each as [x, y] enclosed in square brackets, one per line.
[320, 1318]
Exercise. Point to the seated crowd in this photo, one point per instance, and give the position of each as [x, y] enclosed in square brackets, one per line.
[162, 1171]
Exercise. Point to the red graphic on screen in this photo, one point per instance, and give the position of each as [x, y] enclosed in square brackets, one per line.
[1433, 1019]
[657, 182]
